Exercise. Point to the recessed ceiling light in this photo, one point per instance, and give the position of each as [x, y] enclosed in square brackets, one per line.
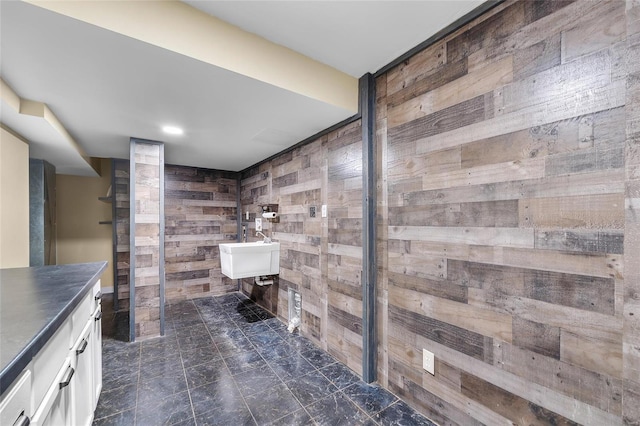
[172, 130]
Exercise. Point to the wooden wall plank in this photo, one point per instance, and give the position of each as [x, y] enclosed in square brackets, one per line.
[446, 120]
[597, 265]
[431, 163]
[502, 213]
[607, 241]
[516, 409]
[511, 171]
[462, 340]
[504, 237]
[445, 289]
[481, 321]
[537, 337]
[601, 182]
[594, 34]
[592, 354]
[466, 87]
[417, 265]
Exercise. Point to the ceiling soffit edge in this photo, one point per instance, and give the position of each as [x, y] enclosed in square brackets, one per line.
[183, 29]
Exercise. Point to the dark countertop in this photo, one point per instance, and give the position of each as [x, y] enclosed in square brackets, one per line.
[34, 302]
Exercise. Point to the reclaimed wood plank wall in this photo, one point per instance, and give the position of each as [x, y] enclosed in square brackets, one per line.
[507, 153]
[197, 202]
[147, 274]
[320, 257]
[200, 213]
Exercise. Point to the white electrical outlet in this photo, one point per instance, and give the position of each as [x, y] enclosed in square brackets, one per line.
[428, 361]
[324, 210]
[258, 224]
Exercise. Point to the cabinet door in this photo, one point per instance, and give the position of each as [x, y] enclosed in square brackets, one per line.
[56, 408]
[96, 337]
[15, 405]
[82, 389]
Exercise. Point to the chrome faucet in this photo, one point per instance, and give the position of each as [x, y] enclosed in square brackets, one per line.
[266, 239]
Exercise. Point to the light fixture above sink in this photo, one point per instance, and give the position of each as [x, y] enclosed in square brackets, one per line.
[244, 260]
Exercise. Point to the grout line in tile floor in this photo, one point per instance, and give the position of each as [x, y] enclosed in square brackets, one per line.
[186, 379]
[234, 380]
[239, 365]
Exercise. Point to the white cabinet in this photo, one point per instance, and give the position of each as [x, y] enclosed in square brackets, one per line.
[62, 383]
[15, 408]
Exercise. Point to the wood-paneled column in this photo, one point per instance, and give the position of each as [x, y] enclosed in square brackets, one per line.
[147, 239]
[121, 181]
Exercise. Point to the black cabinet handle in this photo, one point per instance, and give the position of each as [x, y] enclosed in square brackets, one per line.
[65, 382]
[82, 348]
[23, 420]
[98, 295]
[98, 316]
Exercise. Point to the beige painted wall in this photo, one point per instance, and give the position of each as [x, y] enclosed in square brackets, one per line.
[80, 237]
[183, 29]
[14, 201]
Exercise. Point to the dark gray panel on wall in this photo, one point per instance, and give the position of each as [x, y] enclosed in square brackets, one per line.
[369, 266]
[42, 213]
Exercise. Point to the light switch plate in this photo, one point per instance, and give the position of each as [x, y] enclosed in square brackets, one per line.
[258, 224]
[324, 210]
[428, 361]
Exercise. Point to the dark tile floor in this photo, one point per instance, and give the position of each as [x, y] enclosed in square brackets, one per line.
[226, 361]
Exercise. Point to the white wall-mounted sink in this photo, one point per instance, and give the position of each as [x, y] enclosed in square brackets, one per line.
[243, 260]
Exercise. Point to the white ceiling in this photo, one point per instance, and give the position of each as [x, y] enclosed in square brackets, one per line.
[105, 87]
[355, 37]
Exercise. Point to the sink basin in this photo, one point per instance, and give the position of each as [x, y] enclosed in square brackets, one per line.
[243, 260]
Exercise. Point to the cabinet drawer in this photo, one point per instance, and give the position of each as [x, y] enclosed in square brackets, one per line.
[48, 361]
[97, 295]
[16, 402]
[80, 316]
